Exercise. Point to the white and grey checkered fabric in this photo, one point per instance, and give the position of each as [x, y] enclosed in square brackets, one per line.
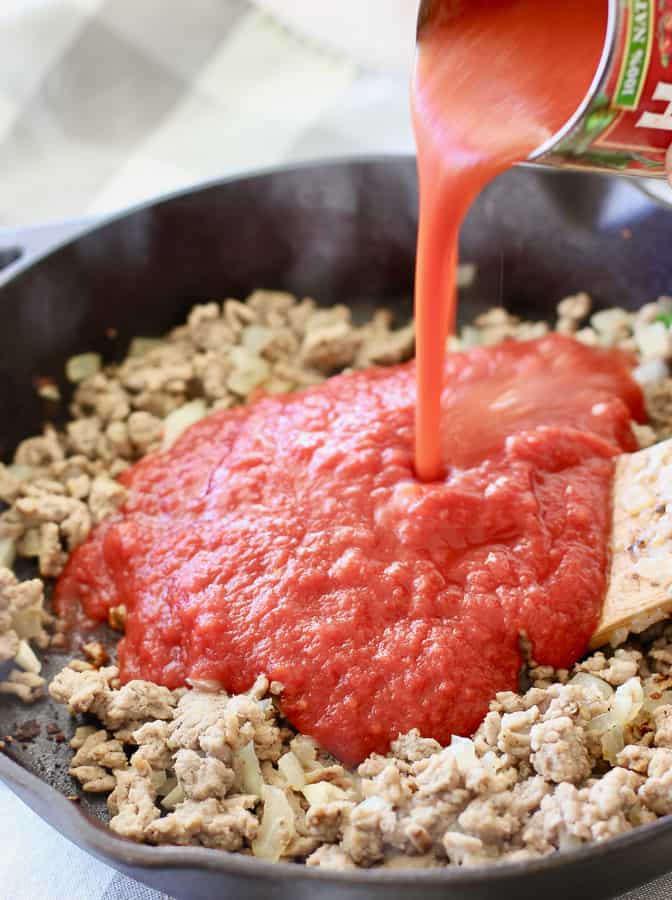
[106, 102]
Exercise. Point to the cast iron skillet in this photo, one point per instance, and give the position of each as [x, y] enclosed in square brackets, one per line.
[342, 232]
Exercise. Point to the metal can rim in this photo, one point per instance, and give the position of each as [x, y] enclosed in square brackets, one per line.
[613, 23]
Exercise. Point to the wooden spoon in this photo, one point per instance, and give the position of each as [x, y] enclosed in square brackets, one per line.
[639, 590]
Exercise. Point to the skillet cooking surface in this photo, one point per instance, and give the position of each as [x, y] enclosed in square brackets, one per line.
[343, 232]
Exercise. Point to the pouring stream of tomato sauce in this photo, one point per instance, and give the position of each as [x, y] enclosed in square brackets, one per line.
[494, 80]
[292, 536]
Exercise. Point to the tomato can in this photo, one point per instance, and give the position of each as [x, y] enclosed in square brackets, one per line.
[625, 121]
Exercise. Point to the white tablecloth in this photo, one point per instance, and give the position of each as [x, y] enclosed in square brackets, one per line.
[106, 102]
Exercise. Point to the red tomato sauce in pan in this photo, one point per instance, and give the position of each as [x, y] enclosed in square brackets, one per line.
[291, 537]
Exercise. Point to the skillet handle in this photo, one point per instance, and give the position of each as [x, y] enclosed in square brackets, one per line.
[19, 247]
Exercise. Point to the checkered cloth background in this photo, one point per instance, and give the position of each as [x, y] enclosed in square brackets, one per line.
[106, 102]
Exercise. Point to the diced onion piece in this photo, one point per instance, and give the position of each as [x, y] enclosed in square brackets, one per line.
[599, 724]
[651, 372]
[180, 419]
[567, 841]
[82, 366]
[256, 338]
[628, 701]
[610, 322]
[141, 345]
[158, 778]
[638, 815]
[166, 786]
[48, 390]
[30, 543]
[626, 705]
[27, 622]
[653, 341]
[591, 684]
[7, 552]
[471, 337]
[277, 825]
[305, 750]
[491, 761]
[21, 472]
[322, 792]
[249, 371]
[25, 658]
[172, 798]
[612, 743]
[251, 780]
[291, 768]
[466, 275]
[465, 753]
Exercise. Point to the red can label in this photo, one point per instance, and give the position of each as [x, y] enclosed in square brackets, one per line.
[628, 124]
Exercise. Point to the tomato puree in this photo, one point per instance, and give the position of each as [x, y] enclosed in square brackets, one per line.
[494, 80]
[291, 537]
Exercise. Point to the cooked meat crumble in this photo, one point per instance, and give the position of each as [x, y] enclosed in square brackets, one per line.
[550, 769]
[579, 757]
